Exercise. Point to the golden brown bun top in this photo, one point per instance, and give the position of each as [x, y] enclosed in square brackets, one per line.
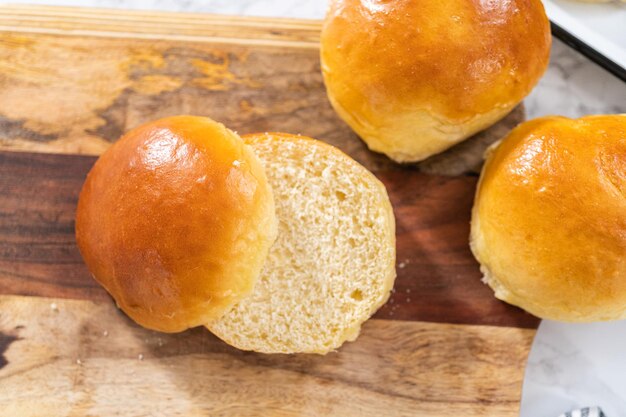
[549, 223]
[454, 58]
[175, 221]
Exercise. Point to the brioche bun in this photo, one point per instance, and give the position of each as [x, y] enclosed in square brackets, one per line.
[413, 78]
[333, 263]
[175, 220]
[549, 219]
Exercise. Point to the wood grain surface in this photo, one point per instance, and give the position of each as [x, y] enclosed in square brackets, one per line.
[71, 82]
[396, 368]
[73, 93]
[438, 278]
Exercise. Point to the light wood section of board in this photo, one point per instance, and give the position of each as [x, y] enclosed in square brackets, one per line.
[71, 358]
[76, 21]
[72, 80]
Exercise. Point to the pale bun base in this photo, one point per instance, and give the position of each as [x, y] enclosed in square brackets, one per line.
[333, 263]
[413, 135]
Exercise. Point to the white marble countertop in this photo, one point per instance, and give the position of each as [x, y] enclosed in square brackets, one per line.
[561, 373]
[576, 365]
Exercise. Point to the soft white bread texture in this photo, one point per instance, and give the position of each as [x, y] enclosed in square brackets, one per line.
[413, 78]
[549, 219]
[333, 263]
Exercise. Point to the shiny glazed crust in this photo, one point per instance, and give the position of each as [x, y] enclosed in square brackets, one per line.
[549, 220]
[414, 77]
[175, 220]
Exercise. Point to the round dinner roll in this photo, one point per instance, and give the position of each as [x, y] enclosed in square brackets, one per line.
[175, 220]
[333, 263]
[415, 77]
[549, 219]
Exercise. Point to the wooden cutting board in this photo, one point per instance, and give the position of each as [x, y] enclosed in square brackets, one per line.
[71, 81]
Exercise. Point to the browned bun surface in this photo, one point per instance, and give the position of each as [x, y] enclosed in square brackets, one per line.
[414, 77]
[175, 220]
[549, 220]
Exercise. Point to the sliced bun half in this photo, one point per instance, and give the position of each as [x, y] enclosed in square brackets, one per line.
[333, 263]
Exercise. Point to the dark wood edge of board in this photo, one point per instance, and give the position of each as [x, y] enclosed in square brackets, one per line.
[438, 279]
